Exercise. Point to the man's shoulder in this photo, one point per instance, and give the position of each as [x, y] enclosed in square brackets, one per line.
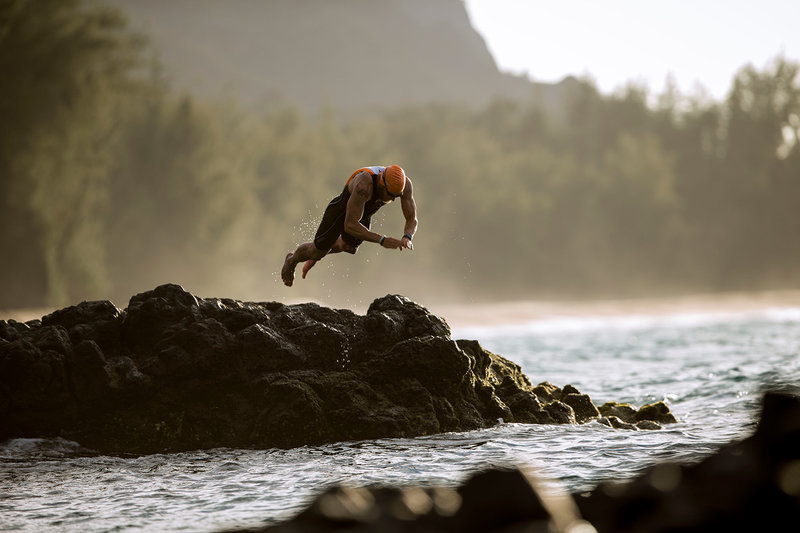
[363, 173]
[361, 184]
[408, 191]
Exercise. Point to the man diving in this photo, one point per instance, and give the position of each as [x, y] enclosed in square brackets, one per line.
[345, 223]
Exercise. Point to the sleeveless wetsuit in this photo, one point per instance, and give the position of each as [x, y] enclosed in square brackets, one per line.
[332, 224]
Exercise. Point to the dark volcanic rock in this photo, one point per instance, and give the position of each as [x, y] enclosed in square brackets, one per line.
[582, 406]
[751, 485]
[174, 372]
[623, 415]
[503, 499]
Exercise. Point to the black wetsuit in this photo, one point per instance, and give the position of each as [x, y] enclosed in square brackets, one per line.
[332, 224]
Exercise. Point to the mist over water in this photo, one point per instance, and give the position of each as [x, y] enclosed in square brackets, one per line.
[710, 368]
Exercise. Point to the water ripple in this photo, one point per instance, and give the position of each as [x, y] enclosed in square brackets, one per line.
[711, 372]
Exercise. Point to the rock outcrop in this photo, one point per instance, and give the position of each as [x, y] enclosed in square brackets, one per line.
[176, 372]
[751, 485]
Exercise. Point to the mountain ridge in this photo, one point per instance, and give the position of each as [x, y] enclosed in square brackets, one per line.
[349, 55]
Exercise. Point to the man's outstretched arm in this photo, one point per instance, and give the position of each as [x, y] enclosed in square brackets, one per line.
[409, 207]
[360, 195]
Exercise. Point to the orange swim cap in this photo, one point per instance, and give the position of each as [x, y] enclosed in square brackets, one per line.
[394, 179]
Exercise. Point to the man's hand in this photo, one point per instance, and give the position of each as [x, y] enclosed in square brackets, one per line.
[392, 243]
[397, 244]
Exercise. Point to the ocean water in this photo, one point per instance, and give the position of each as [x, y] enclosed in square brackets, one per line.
[710, 368]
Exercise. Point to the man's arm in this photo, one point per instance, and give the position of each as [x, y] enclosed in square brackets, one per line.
[409, 207]
[360, 193]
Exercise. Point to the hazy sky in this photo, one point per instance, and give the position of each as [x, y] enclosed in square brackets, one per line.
[614, 41]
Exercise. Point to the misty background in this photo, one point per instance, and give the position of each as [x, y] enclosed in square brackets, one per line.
[197, 142]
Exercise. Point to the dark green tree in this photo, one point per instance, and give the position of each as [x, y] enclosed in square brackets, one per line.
[67, 67]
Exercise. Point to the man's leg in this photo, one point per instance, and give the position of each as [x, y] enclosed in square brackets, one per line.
[306, 251]
[328, 236]
[338, 246]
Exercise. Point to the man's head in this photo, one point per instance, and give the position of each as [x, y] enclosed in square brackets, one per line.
[394, 181]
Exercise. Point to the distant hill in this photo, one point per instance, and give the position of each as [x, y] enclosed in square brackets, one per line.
[351, 55]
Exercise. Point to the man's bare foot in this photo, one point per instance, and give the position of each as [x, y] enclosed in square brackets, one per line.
[287, 272]
[307, 266]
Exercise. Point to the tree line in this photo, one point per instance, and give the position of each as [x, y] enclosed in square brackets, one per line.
[111, 182]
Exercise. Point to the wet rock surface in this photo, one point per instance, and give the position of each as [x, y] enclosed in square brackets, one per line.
[176, 372]
[750, 485]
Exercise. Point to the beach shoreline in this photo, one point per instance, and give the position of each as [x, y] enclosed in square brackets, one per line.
[529, 311]
[510, 313]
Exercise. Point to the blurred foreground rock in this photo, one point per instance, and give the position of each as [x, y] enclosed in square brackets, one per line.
[748, 486]
[176, 372]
